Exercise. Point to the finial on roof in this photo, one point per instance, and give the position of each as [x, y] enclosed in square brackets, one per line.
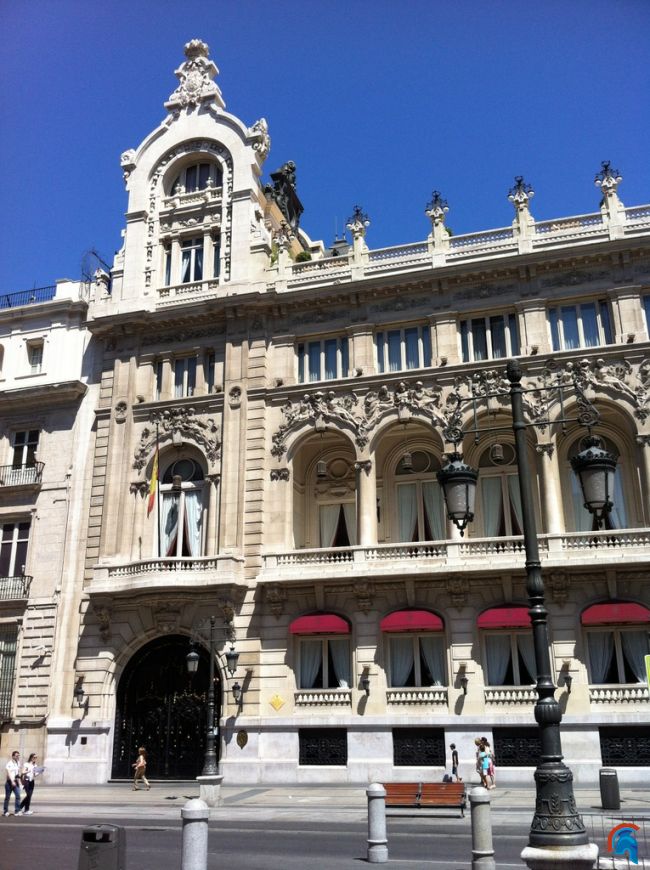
[196, 76]
[521, 193]
[608, 179]
[437, 208]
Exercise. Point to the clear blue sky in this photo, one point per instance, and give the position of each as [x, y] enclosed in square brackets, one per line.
[378, 102]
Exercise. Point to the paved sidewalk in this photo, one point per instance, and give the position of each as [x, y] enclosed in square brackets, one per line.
[264, 802]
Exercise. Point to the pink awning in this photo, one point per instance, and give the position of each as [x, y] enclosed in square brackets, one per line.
[320, 623]
[504, 617]
[615, 613]
[411, 620]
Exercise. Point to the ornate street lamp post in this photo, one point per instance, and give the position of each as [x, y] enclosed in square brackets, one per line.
[210, 763]
[556, 823]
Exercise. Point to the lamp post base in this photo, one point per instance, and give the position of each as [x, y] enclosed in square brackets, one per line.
[558, 857]
[210, 789]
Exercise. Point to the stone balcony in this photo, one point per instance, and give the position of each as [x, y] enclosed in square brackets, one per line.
[430, 696]
[439, 557]
[323, 698]
[167, 575]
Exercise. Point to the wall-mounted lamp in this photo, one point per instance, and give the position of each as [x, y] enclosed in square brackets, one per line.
[79, 695]
[365, 684]
[463, 683]
[177, 483]
[232, 657]
[568, 679]
[237, 694]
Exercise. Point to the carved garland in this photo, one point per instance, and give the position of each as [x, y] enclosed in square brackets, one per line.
[184, 422]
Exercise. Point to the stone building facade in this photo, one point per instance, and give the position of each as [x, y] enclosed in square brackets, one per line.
[297, 402]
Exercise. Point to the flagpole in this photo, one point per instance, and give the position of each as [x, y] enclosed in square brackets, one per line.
[158, 489]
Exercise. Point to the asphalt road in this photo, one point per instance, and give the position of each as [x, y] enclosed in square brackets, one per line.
[54, 844]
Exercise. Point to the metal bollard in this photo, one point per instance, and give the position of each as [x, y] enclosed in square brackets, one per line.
[610, 795]
[194, 855]
[482, 851]
[377, 841]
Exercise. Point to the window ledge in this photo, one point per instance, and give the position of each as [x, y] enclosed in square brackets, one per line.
[424, 695]
[619, 694]
[323, 697]
[510, 695]
[30, 375]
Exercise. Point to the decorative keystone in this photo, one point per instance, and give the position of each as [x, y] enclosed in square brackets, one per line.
[196, 76]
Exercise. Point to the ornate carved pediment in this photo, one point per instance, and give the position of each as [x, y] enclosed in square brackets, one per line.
[276, 597]
[179, 422]
[458, 591]
[196, 76]
[558, 585]
[103, 615]
[364, 592]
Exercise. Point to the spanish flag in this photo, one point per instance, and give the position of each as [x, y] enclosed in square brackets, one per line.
[153, 485]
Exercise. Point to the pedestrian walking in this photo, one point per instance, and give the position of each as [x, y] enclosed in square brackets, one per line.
[140, 766]
[483, 761]
[491, 769]
[29, 773]
[12, 784]
[454, 762]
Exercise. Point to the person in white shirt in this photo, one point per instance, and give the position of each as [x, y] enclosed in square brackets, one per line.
[29, 774]
[12, 784]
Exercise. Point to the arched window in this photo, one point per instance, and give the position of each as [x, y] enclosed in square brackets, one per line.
[197, 176]
[324, 651]
[499, 499]
[583, 519]
[181, 509]
[337, 513]
[618, 639]
[420, 514]
[508, 646]
[416, 648]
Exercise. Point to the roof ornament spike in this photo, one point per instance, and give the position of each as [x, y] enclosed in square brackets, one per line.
[521, 193]
[196, 79]
[437, 208]
[608, 179]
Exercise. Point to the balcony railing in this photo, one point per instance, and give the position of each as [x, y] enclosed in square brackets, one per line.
[24, 475]
[426, 696]
[163, 573]
[510, 694]
[323, 698]
[619, 694]
[27, 297]
[440, 556]
[14, 588]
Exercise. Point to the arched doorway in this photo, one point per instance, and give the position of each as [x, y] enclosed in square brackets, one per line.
[160, 706]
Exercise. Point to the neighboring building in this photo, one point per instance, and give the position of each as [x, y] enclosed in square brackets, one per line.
[46, 414]
[293, 398]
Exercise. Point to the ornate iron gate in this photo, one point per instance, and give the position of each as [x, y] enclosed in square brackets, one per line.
[160, 707]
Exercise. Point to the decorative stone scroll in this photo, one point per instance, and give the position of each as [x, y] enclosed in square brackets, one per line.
[276, 597]
[279, 474]
[259, 132]
[184, 423]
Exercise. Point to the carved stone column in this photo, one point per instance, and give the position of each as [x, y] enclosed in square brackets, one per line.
[644, 442]
[366, 503]
[166, 389]
[212, 543]
[552, 505]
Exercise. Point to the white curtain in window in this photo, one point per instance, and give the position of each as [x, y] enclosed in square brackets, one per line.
[185, 267]
[340, 652]
[193, 522]
[515, 502]
[497, 653]
[328, 515]
[350, 516]
[492, 504]
[401, 660]
[527, 651]
[169, 524]
[311, 653]
[407, 510]
[618, 515]
[584, 521]
[635, 648]
[432, 497]
[601, 650]
[434, 657]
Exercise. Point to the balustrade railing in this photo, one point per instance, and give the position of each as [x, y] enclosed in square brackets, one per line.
[618, 694]
[323, 698]
[14, 588]
[611, 539]
[426, 696]
[160, 566]
[510, 694]
[23, 475]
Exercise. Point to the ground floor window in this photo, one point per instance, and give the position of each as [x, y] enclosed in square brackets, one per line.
[8, 640]
[625, 746]
[417, 747]
[516, 747]
[323, 746]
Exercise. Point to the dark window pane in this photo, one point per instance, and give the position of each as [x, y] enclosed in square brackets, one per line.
[323, 746]
[190, 179]
[426, 346]
[514, 334]
[412, 350]
[606, 323]
[590, 325]
[479, 339]
[330, 358]
[498, 336]
[418, 747]
[345, 358]
[555, 332]
[380, 352]
[394, 351]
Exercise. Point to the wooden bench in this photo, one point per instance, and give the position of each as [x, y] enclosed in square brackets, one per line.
[430, 795]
